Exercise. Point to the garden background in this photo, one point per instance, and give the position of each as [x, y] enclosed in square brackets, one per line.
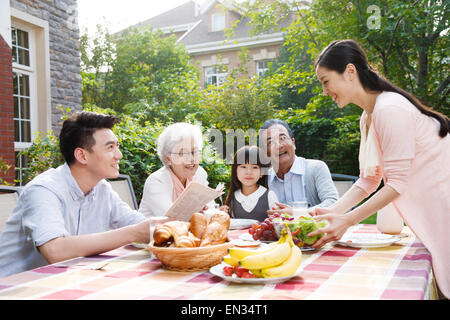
[148, 81]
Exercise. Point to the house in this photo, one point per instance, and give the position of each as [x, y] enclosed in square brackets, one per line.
[39, 71]
[202, 30]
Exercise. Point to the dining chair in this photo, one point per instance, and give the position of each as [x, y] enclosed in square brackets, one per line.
[9, 196]
[343, 182]
[123, 186]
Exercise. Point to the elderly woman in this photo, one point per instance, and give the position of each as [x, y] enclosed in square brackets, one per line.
[179, 149]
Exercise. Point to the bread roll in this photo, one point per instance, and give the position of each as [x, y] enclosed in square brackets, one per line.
[215, 233]
[198, 224]
[222, 218]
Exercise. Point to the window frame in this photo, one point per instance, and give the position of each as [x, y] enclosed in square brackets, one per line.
[220, 76]
[215, 21]
[29, 71]
[257, 69]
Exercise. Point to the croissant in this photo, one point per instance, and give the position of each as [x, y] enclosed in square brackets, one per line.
[187, 241]
[198, 224]
[168, 230]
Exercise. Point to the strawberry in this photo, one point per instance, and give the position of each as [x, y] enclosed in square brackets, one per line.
[228, 271]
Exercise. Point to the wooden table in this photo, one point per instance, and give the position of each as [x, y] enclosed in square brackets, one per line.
[400, 271]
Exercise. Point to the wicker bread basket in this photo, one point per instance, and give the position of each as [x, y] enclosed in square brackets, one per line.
[190, 259]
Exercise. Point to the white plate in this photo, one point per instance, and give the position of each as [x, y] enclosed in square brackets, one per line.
[368, 240]
[217, 270]
[236, 224]
[249, 237]
[140, 245]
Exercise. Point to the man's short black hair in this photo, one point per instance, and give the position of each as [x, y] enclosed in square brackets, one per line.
[78, 131]
[271, 122]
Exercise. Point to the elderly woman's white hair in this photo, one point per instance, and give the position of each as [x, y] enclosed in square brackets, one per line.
[174, 134]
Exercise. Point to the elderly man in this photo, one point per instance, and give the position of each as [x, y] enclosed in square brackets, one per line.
[71, 211]
[294, 178]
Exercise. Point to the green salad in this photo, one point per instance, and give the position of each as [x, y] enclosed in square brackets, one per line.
[300, 228]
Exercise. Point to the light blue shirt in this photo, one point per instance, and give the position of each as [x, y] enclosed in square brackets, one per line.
[308, 179]
[292, 187]
[52, 205]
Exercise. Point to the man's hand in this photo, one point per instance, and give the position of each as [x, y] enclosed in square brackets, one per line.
[280, 208]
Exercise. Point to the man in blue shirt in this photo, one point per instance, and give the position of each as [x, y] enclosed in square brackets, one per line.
[294, 178]
[72, 211]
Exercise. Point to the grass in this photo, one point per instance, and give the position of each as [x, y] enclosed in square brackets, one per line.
[370, 220]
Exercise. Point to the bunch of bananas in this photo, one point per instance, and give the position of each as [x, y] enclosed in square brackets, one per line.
[278, 259]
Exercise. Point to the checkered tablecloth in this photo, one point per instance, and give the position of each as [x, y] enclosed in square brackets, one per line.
[400, 271]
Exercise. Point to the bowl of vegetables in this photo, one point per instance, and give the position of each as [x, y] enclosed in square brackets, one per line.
[300, 228]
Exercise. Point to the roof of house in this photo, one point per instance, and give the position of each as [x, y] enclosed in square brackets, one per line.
[183, 14]
[193, 19]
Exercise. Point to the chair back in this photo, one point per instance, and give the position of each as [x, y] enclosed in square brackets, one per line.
[8, 202]
[343, 182]
[124, 188]
[342, 186]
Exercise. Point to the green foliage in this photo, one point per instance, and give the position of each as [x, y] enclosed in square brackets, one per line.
[4, 167]
[139, 72]
[323, 131]
[239, 103]
[406, 40]
[42, 155]
[151, 76]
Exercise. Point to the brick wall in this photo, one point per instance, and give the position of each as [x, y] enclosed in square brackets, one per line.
[6, 110]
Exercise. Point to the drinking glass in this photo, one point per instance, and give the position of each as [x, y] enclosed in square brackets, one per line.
[300, 208]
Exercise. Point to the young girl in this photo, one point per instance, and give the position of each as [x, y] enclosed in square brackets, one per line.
[249, 197]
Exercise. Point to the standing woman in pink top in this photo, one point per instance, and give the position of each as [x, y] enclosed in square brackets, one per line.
[403, 142]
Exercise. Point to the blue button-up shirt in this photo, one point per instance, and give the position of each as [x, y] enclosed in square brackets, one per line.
[292, 187]
[52, 205]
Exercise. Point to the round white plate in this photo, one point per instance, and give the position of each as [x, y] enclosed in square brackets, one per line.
[249, 237]
[236, 224]
[140, 245]
[368, 240]
[217, 270]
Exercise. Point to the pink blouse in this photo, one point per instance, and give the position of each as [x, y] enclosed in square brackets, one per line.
[415, 161]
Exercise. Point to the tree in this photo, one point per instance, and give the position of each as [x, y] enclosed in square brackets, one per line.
[97, 56]
[406, 40]
[139, 72]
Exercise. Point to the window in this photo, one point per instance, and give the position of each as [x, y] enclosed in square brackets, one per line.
[217, 22]
[21, 47]
[23, 92]
[215, 75]
[262, 67]
[20, 168]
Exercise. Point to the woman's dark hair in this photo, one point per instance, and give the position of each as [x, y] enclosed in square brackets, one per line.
[339, 53]
[269, 123]
[247, 155]
[78, 130]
